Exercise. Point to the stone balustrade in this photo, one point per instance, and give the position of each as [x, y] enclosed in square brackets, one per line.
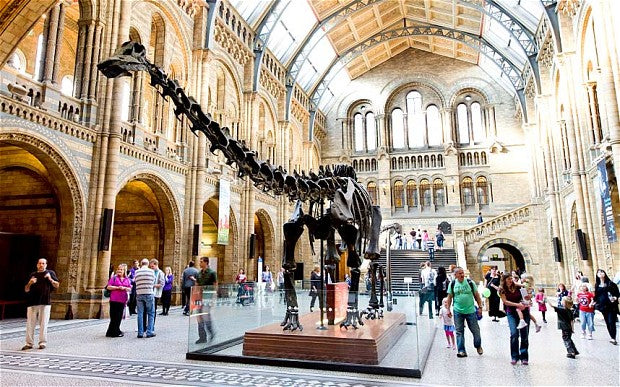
[498, 224]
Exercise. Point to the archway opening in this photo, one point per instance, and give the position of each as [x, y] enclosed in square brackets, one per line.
[263, 245]
[143, 224]
[208, 240]
[505, 256]
[36, 218]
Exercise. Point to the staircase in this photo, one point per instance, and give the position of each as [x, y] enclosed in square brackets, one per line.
[498, 224]
[406, 263]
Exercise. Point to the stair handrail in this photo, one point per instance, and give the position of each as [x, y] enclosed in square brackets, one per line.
[498, 223]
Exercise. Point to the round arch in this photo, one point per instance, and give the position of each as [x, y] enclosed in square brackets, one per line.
[228, 262]
[147, 189]
[42, 156]
[518, 253]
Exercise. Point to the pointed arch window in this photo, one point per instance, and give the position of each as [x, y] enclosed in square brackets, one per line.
[358, 129]
[467, 190]
[439, 193]
[371, 131]
[433, 124]
[397, 200]
[398, 129]
[372, 191]
[412, 194]
[482, 191]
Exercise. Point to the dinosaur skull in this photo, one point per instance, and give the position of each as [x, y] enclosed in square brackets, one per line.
[130, 56]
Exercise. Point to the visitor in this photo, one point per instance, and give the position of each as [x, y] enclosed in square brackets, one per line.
[207, 278]
[280, 280]
[38, 289]
[430, 246]
[189, 279]
[463, 292]
[576, 287]
[441, 288]
[118, 285]
[606, 297]
[424, 240]
[492, 283]
[427, 292]
[145, 278]
[418, 238]
[565, 324]
[511, 297]
[410, 241]
[132, 297]
[158, 288]
[440, 238]
[450, 272]
[560, 293]
[166, 294]
[541, 300]
[527, 295]
[315, 285]
[585, 299]
[448, 323]
[267, 278]
[347, 280]
[412, 234]
[240, 280]
[479, 218]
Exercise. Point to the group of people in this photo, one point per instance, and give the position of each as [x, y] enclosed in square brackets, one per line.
[462, 302]
[419, 240]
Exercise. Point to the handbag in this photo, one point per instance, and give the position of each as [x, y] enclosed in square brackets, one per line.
[106, 292]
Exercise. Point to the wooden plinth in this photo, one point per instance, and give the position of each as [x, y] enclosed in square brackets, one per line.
[367, 345]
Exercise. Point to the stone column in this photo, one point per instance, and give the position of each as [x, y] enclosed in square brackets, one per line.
[50, 44]
[492, 123]
[380, 120]
[59, 35]
[405, 129]
[113, 114]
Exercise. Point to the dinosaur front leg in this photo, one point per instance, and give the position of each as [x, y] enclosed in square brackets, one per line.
[349, 234]
[292, 231]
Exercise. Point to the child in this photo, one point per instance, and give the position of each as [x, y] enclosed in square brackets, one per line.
[561, 293]
[565, 324]
[527, 292]
[448, 323]
[586, 310]
[541, 300]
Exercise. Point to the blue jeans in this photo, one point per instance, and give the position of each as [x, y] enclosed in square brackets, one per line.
[519, 352]
[587, 319]
[146, 302]
[472, 324]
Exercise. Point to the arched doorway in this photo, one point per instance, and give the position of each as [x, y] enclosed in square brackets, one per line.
[264, 241]
[506, 254]
[223, 258]
[40, 216]
[145, 223]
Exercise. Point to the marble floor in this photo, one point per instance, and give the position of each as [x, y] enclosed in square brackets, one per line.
[78, 353]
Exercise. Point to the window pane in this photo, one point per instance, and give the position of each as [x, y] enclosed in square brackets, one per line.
[398, 130]
[66, 85]
[415, 120]
[433, 122]
[37, 63]
[358, 128]
[476, 119]
[371, 132]
[461, 112]
[294, 24]
[398, 194]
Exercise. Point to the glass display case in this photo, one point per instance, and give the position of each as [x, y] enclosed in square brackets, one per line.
[242, 324]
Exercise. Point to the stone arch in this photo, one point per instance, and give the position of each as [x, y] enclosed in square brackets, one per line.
[518, 252]
[469, 89]
[414, 85]
[269, 237]
[229, 259]
[170, 249]
[71, 237]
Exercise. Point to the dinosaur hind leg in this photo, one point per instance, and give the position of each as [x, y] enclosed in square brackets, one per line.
[292, 231]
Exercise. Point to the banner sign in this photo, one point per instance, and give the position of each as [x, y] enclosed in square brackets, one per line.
[607, 211]
[223, 223]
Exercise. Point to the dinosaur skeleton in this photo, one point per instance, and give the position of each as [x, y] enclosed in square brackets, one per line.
[350, 212]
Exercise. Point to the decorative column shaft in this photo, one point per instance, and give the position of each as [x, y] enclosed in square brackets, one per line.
[59, 35]
[50, 49]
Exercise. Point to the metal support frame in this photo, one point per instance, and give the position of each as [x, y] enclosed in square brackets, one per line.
[263, 33]
[513, 73]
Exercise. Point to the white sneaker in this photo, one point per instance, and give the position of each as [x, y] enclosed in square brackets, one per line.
[538, 328]
[590, 336]
[522, 324]
[583, 335]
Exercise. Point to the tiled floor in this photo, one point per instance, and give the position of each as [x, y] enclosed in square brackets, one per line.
[78, 353]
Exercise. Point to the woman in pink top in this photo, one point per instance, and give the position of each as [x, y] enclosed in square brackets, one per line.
[118, 285]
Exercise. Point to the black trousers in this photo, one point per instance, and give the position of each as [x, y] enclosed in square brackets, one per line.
[187, 296]
[132, 300]
[166, 297]
[568, 341]
[116, 315]
[205, 325]
[610, 316]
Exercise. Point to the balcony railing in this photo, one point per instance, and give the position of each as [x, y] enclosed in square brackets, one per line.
[498, 224]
